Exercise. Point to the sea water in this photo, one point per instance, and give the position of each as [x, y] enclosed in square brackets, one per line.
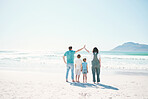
[52, 61]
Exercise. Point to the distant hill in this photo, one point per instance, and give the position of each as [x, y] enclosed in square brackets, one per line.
[131, 46]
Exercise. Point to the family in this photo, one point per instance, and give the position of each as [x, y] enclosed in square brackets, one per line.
[82, 66]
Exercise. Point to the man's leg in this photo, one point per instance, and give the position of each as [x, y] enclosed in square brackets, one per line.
[72, 72]
[67, 72]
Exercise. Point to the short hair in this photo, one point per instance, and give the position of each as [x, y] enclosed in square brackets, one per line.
[95, 50]
[70, 47]
[84, 59]
[78, 56]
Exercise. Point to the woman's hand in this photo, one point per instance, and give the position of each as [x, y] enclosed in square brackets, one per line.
[86, 50]
[84, 46]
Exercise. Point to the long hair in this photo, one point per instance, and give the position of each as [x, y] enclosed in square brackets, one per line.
[95, 50]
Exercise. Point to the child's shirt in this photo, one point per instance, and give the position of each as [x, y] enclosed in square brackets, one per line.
[78, 63]
[84, 66]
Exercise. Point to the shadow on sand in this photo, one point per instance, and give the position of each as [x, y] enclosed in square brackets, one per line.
[107, 87]
[85, 85]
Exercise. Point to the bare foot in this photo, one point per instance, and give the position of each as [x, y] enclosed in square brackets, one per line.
[94, 82]
[66, 80]
[97, 82]
[73, 81]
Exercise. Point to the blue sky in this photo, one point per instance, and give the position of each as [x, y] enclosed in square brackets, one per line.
[56, 24]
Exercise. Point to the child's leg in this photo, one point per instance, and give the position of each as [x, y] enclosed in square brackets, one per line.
[86, 77]
[78, 77]
[83, 77]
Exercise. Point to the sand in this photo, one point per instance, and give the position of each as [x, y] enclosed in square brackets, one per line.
[37, 85]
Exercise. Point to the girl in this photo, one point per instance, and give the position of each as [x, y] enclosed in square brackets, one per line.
[84, 69]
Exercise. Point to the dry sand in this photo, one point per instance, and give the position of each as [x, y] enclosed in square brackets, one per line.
[34, 85]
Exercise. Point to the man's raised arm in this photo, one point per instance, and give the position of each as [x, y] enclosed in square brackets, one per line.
[80, 49]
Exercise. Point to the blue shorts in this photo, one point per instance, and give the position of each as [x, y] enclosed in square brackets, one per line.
[84, 71]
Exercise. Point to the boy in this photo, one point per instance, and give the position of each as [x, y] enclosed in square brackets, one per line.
[78, 63]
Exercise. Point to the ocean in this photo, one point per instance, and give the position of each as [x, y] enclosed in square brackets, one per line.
[52, 61]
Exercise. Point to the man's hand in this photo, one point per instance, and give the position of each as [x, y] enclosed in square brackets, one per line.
[80, 49]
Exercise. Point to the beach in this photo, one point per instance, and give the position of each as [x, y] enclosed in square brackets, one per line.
[37, 85]
[41, 75]
[40, 42]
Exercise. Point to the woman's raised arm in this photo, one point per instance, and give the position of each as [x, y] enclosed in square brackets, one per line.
[87, 50]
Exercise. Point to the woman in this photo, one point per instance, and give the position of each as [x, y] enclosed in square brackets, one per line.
[96, 64]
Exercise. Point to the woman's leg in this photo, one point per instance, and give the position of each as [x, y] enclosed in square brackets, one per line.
[98, 74]
[93, 72]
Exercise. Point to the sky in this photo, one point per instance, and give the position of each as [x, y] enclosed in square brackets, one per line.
[56, 24]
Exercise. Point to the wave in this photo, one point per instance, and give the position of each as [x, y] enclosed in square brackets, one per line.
[124, 53]
[113, 60]
[125, 57]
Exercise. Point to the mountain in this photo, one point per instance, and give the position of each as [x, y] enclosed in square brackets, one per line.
[131, 46]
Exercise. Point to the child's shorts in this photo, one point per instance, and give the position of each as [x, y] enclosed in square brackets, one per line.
[84, 71]
[78, 71]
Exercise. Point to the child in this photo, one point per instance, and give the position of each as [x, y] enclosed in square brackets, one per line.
[84, 69]
[78, 63]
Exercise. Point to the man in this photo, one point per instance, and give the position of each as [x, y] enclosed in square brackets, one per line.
[70, 62]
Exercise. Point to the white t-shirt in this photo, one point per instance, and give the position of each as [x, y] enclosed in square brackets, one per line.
[78, 63]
